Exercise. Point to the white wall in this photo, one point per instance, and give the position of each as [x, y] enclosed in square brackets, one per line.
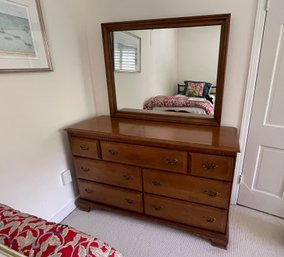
[241, 32]
[198, 49]
[164, 61]
[34, 109]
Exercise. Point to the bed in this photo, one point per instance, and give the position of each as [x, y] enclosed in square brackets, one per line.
[193, 97]
[22, 234]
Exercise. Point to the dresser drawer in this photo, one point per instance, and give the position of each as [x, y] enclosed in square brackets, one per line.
[184, 187]
[121, 198]
[150, 157]
[186, 213]
[109, 173]
[84, 147]
[212, 166]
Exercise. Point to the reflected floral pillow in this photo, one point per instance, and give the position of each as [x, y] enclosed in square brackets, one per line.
[195, 89]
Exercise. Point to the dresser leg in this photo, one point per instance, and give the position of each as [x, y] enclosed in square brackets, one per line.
[219, 242]
[83, 205]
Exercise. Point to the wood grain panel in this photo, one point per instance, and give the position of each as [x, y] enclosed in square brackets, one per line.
[199, 190]
[151, 157]
[216, 140]
[109, 173]
[121, 198]
[212, 166]
[187, 213]
[84, 147]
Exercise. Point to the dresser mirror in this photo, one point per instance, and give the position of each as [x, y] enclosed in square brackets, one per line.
[169, 69]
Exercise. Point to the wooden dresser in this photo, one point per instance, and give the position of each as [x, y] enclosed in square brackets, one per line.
[173, 173]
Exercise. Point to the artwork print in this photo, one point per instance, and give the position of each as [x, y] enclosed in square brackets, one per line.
[23, 40]
[15, 31]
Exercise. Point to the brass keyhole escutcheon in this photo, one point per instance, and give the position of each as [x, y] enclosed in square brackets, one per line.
[157, 208]
[129, 201]
[156, 183]
[171, 161]
[85, 169]
[84, 147]
[127, 177]
[209, 219]
[89, 191]
[209, 165]
[211, 193]
[112, 152]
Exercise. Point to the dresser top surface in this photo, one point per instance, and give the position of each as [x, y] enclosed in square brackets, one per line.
[218, 138]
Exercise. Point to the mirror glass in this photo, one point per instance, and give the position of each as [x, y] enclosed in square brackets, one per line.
[168, 72]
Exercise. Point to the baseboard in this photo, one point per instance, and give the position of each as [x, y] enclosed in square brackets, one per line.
[64, 212]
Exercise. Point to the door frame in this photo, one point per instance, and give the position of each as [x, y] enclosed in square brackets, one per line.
[262, 7]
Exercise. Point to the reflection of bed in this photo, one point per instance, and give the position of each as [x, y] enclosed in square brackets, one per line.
[193, 98]
[32, 236]
[179, 103]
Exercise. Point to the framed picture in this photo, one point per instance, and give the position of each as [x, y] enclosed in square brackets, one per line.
[126, 52]
[23, 43]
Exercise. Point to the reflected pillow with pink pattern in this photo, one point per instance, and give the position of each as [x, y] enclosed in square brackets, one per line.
[195, 89]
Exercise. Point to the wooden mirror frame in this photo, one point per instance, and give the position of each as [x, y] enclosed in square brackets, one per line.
[195, 21]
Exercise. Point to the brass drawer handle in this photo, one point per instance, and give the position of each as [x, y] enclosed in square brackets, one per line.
[112, 152]
[171, 161]
[127, 177]
[84, 147]
[209, 165]
[210, 219]
[89, 191]
[85, 169]
[156, 207]
[156, 183]
[129, 201]
[211, 193]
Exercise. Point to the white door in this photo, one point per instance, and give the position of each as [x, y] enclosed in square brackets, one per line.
[262, 185]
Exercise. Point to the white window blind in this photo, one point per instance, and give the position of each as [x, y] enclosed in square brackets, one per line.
[126, 52]
[125, 58]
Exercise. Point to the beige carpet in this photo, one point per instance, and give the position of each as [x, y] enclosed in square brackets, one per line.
[252, 234]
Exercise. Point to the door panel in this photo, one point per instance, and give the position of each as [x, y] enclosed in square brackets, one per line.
[262, 186]
[275, 100]
[272, 183]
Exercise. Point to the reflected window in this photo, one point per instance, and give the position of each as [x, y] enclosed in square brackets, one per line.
[125, 58]
[126, 52]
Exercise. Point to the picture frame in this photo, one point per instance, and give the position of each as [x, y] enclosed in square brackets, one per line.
[23, 41]
[126, 52]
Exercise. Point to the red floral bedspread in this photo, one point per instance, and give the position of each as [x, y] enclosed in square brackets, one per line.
[35, 237]
[178, 101]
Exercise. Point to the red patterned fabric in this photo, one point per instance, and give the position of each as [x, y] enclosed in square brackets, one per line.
[35, 237]
[178, 101]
